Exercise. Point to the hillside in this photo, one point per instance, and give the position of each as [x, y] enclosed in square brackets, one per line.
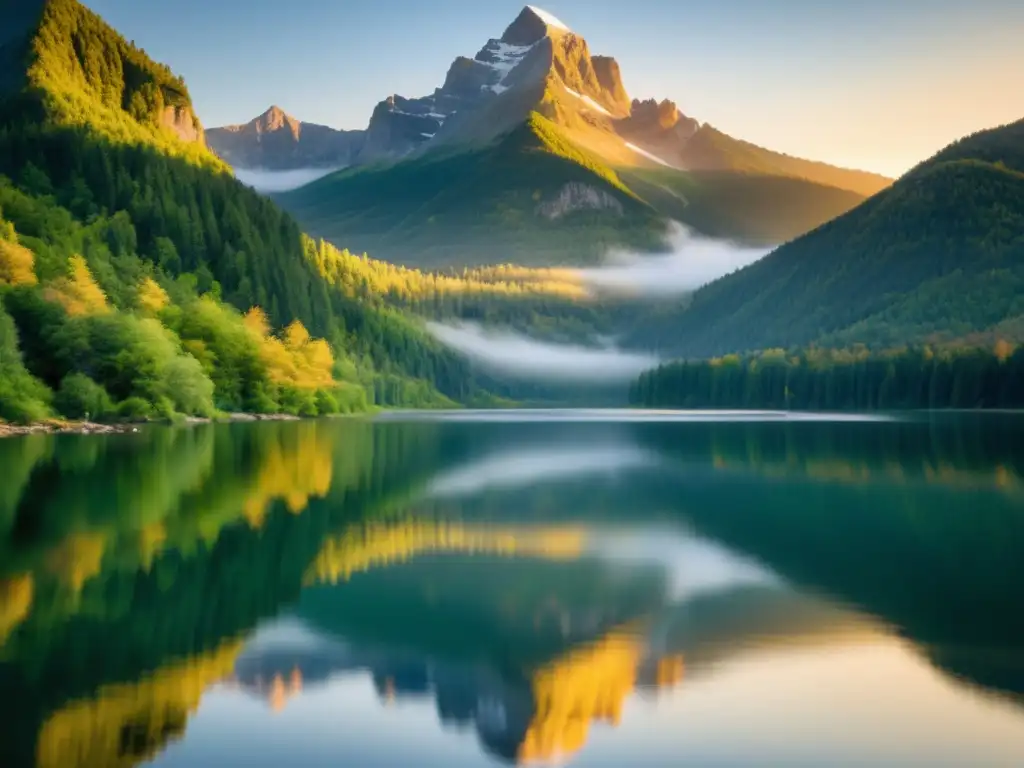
[536, 197]
[711, 150]
[117, 220]
[937, 257]
[554, 203]
[539, 87]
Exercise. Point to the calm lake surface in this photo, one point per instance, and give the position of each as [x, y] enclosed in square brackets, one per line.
[573, 588]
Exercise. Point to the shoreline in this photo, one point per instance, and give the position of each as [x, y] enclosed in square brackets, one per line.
[62, 427]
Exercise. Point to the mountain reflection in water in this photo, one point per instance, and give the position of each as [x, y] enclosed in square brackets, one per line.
[598, 591]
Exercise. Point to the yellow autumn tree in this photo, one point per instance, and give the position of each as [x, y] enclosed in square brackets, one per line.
[16, 264]
[257, 323]
[78, 293]
[152, 298]
[312, 359]
[294, 360]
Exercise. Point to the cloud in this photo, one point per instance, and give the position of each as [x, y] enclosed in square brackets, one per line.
[520, 356]
[694, 261]
[279, 181]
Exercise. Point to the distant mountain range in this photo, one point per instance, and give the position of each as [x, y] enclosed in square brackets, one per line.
[532, 151]
[277, 141]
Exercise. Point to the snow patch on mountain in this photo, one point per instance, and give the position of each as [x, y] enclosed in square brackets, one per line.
[649, 156]
[547, 18]
[507, 56]
[589, 102]
[502, 58]
[596, 106]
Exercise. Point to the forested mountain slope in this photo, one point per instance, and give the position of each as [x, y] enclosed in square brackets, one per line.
[938, 256]
[535, 197]
[113, 191]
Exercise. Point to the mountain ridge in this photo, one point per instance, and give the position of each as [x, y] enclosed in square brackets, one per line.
[537, 68]
[937, 257]
[559, 77]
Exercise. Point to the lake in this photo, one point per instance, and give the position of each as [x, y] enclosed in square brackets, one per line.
[584, 588]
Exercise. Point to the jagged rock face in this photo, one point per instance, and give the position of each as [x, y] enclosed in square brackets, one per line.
[184, 123]
[398, 126]
[576, 196]
[665, 115]
[609, 77]
[662, 128]
[573, 66]
[277, 141]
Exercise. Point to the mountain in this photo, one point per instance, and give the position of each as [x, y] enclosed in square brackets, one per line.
[545, 159]
[277, 141]
[128, 253]
[937, 257]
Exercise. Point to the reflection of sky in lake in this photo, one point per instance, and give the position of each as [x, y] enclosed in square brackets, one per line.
[523, 467]
[869, 702]
[846, 692]
[695, 566]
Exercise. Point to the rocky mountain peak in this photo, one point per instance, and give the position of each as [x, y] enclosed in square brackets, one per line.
[276, 119]
[531, 25]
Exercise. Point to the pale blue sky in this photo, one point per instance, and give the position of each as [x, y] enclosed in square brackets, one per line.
[875, 84]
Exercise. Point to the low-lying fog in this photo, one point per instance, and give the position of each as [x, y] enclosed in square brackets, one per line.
[280, 181]
[519, 356]
[694, 261]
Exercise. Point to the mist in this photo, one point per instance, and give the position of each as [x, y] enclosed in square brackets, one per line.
[280, 181]
[694, 261]
[516, 355]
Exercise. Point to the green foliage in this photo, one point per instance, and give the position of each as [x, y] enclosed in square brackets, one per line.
[135, 409]
[938, 256]
[23, 398]
[89, 74]
[79, 397]
[193, 357]
[103, 144]
[841, 380]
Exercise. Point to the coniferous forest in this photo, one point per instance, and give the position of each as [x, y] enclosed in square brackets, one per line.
[841, 380]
